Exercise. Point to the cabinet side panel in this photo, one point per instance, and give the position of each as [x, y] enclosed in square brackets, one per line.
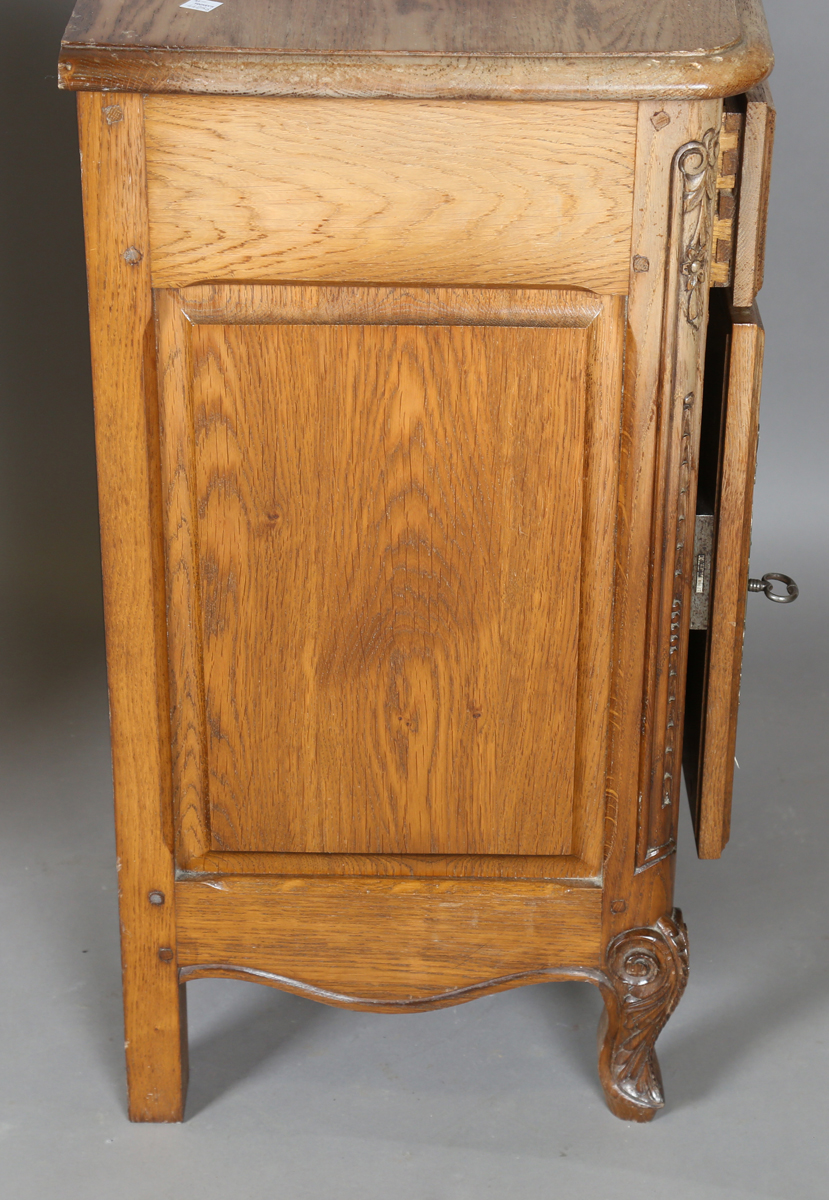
[385, 191]
[390, 540]
[123, 365]
[186, 432]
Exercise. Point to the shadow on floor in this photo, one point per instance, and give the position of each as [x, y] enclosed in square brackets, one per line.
[250, 1040]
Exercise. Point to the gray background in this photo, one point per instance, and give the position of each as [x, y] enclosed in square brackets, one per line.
[294, 1099]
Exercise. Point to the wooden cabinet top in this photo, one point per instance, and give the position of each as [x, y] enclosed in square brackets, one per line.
[519, 49]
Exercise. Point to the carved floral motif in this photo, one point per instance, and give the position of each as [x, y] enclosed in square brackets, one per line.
[698, 165]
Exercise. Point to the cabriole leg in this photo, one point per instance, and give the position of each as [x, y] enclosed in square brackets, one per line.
[646, 974]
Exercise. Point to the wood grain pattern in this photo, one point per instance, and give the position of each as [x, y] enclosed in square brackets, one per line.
[386, 944]
[710, 781]
[123, 363]
[755, 178]
[562, 867]
[390, 663]
[603, 430]
[539, 308]
[538, 49]
[272, 305]
[430, 27]
[453, 569]
[429, 192]
[188, 721]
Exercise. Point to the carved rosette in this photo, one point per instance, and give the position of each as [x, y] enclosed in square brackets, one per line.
[646, 973]
[697, 162]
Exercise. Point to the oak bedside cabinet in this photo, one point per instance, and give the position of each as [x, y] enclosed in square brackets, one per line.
[426, 371]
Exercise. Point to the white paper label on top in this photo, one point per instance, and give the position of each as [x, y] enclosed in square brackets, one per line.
[202, 5]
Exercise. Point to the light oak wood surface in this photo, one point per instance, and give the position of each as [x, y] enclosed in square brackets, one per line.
[386, 944]
[585, 864]
[389, 663]
[711, 777]
[755, 179]
[123, 369]
[535, 49]
[295, 304]
[390, 191]
[368, 547]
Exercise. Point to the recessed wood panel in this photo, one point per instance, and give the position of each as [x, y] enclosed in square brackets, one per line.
[389, 530]
[383, 191]
[389, 548]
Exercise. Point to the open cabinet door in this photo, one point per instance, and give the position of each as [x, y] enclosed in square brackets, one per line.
[728, 452]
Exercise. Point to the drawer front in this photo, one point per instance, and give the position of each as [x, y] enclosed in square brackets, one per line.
[390, 191]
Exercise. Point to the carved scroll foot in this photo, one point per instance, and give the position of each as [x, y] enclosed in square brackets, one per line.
[647, 969]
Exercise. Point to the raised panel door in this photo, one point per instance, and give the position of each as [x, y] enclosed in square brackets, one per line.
[389, 504]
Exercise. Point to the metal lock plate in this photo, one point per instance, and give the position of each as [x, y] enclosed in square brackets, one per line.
[701, 578]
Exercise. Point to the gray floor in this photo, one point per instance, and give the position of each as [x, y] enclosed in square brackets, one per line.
[292, 1099]
[496, 1095]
